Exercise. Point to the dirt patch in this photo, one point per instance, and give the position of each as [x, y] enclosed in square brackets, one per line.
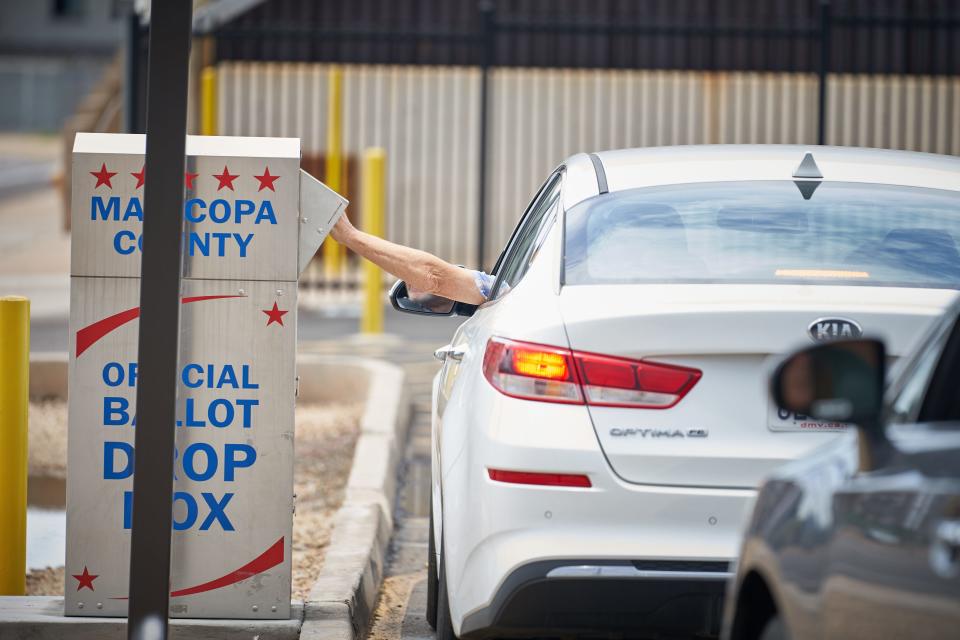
[47, 440]
[392, 605]
[324, 443]
[45, 582]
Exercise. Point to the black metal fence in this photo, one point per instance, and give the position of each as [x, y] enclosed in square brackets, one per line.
[863, 36]
[903, 37]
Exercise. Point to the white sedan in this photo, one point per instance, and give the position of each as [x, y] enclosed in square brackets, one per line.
[602, 422]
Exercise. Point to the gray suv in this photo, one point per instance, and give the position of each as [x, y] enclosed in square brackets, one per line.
[862, 538]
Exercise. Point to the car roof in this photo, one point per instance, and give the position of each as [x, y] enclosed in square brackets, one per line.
[652, 166]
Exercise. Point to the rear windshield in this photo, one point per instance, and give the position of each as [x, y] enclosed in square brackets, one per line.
[767, 232]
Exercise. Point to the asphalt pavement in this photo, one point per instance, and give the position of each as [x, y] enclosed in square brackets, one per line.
[402, 606]
[402, 601]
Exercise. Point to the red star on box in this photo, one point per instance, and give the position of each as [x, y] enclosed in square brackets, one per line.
[266, 180]
[226, 179]
[103, 176]
[85, 579]
[139, 175]
[189, 178]
[275, 315]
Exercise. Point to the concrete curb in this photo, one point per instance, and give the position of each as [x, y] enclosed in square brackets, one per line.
[41, 617]
[343, 598]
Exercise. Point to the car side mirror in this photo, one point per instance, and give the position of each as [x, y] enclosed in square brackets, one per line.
[839, 381]
[426, 304]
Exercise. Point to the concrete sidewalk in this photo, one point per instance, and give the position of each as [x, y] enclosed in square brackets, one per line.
[41, 617]
[34, 249]
[31, 147]
[28, 161]
[35, 252]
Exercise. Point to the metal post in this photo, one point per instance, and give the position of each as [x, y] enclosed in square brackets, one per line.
[208, 101]
[333, 174]
[374, 186]
[131, 84]
[159, 336]
[823, 71]
[487, 9]
[14, 403]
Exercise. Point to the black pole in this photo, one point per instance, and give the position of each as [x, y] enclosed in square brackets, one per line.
[824, 70]
[486, 60]
[159, 337]
[131, 84]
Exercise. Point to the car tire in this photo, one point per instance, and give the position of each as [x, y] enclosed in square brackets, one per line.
[775, 629]
[433, 580]
[444, 626]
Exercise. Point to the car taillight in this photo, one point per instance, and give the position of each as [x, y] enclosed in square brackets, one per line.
[531, 371]
[618, 382]
[551, 374]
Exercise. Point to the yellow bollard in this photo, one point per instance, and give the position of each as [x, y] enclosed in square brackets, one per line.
[374, 197]
[14, 403]
[333, 176]
[208, 102]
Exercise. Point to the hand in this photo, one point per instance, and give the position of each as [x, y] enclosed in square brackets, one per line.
[342, 230]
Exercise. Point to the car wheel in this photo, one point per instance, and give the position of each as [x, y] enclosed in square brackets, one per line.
[444, 623]
[433, 579]
[775, 629]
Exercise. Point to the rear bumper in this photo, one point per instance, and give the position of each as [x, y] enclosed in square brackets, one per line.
[598, 597]
[492, 530]
[611, 524]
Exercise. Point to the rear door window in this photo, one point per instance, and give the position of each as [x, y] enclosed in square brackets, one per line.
[767, 232]
[528, 237]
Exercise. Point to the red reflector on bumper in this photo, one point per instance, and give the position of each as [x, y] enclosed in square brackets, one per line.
[543, 479]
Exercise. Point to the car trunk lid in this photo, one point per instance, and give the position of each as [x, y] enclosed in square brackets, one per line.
[725, 432]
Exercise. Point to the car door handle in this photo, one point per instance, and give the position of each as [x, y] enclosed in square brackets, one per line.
[448, 351]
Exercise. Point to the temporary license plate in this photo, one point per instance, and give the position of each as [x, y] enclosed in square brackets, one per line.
[783, 420]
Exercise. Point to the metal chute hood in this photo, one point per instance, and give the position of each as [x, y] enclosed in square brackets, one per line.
[320, 209]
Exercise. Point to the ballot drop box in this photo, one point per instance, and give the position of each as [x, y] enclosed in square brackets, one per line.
[252, 222]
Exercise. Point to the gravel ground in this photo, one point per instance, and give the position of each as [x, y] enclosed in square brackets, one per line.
[47, 443]
[45, 582]
[325, 438]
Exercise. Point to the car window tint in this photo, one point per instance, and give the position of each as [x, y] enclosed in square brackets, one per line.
[523, 219]
[528, 237]
[542, 232]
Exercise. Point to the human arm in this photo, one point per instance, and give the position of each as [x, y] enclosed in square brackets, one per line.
[422, 271]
